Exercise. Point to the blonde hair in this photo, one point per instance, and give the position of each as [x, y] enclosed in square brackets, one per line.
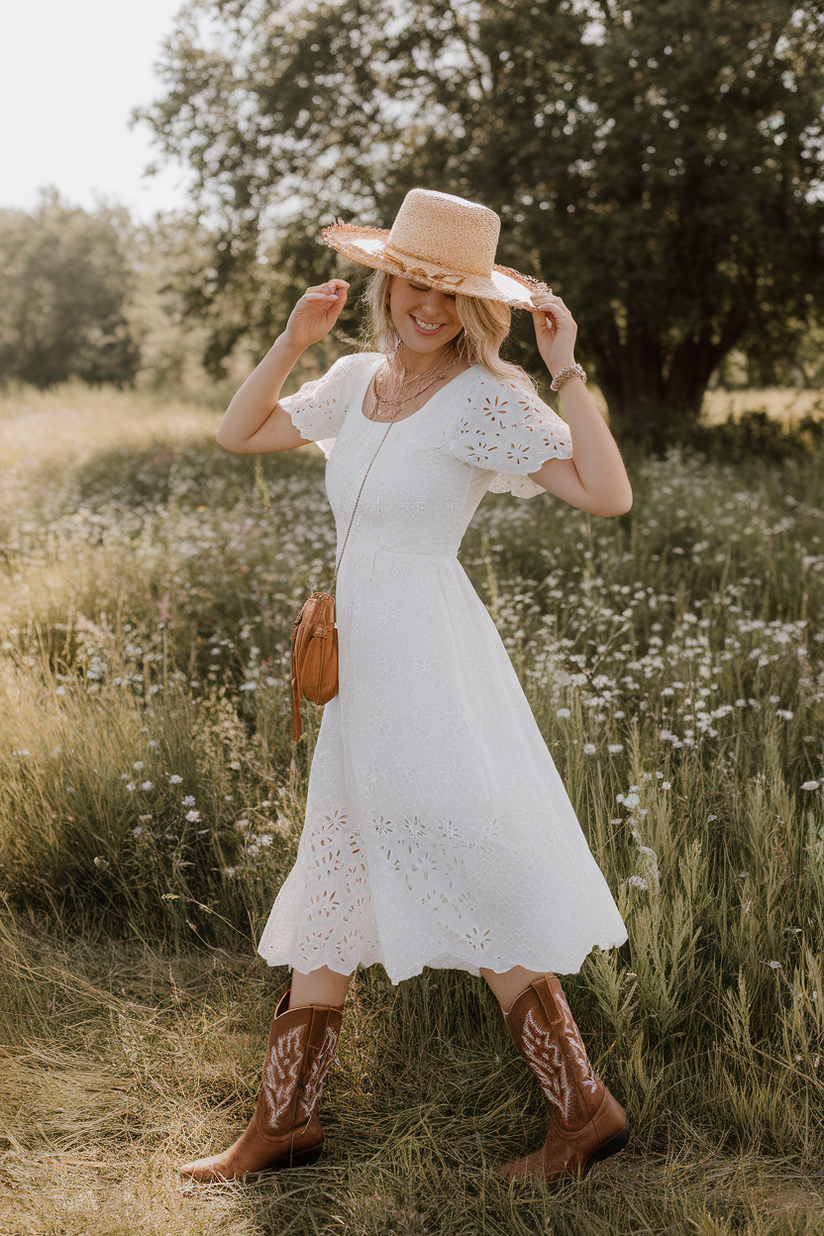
[485, 327]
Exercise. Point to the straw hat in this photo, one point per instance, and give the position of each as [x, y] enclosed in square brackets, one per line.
[441, 240]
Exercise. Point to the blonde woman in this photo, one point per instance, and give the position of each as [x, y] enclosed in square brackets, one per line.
[438, 832]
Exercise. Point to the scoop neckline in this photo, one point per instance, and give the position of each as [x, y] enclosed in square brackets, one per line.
[413, 415]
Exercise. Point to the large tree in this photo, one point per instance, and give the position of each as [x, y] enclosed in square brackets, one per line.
[658, 161]
[65, 281]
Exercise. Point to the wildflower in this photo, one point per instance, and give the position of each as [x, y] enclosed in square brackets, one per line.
[137, 832]
[810, 785]
[563, 713]
[60, 690]
[138, 764]
[189, 800]
[131, 787]
[146, 785]
[193, 816]
[248, 686]
[631, 800]
[784, 713]
[254, 851]
[102, 863]
[615, 747]
[174, 779]
[590, 748]
[774, 965]
[636, 881]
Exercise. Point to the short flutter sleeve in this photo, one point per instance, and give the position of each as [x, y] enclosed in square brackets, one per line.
[319, 407]
[505, 428]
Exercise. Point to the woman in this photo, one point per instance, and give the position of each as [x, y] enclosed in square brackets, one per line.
[438, 832]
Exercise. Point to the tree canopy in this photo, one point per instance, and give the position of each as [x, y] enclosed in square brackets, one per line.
[657, 161]
[65, 283]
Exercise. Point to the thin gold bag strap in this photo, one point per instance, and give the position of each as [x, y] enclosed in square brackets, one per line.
[355, 507]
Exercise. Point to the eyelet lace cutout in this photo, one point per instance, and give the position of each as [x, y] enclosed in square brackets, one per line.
[437, 831]
[507, 429]
[318, 408]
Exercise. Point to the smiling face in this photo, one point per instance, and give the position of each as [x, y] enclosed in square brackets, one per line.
[426, 320]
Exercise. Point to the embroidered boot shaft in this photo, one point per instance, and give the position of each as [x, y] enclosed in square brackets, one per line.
[285, 1129]
[587, 1124]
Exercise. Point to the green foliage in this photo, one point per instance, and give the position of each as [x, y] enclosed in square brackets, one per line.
[757, 435]
[658, 163]
[65, 284]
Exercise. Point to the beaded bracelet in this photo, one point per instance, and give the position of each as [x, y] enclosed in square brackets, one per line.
[563, 375]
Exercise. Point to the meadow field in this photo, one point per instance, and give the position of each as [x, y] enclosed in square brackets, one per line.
[151, 802]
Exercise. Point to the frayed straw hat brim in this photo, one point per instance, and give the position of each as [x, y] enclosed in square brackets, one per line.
[367, 245]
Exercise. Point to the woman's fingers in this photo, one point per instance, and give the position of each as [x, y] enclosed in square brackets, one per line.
[331, 290]
[551, 305]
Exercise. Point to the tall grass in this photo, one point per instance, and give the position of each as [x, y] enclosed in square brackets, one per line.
[151, 802]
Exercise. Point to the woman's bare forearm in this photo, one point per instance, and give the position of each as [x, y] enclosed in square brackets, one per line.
[254, 422]
[256, 401]
[595, 454]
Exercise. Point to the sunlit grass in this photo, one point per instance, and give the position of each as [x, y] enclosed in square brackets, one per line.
[151, 800]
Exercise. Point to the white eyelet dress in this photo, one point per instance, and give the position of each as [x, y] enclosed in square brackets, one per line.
[438, 831]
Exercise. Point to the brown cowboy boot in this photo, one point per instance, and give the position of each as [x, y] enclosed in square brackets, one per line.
[285, 1128]
[588, 1124]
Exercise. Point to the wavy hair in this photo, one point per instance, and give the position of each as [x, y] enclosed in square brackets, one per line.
[485, 324]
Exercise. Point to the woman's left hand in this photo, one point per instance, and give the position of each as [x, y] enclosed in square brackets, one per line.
[555, 331]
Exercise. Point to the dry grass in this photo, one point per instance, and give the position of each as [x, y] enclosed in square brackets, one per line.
[785, 404]
[675, 662]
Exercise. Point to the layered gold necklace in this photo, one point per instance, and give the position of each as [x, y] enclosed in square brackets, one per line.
[395, 387]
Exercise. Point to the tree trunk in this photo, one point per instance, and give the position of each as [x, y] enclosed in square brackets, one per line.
[655, 401]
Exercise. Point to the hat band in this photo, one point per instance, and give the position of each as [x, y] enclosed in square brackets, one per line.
[437, 278]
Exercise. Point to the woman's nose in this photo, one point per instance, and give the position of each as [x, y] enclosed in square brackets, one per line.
[433, 300]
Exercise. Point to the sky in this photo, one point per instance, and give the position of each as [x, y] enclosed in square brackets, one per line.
[71, 71]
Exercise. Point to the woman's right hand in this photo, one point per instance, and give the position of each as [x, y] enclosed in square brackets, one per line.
[316, 313]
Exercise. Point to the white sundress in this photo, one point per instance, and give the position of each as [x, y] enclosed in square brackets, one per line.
[438, 831]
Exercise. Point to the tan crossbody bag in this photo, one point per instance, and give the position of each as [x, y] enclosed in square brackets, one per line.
[315, 635]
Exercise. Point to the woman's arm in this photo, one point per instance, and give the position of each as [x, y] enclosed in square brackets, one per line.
[255, 422]
[594, 479]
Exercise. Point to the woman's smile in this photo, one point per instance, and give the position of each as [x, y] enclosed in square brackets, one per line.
[426, 328]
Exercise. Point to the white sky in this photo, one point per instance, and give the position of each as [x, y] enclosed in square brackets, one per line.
[70, 73]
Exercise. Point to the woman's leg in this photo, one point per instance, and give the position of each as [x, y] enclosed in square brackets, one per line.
[321, 986]
[508, 986]
[587, 1124]
[285, 1130]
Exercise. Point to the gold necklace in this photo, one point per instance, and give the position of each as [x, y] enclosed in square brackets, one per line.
[402, 389]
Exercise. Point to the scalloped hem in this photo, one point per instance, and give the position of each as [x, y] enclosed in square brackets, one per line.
[570, 963]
